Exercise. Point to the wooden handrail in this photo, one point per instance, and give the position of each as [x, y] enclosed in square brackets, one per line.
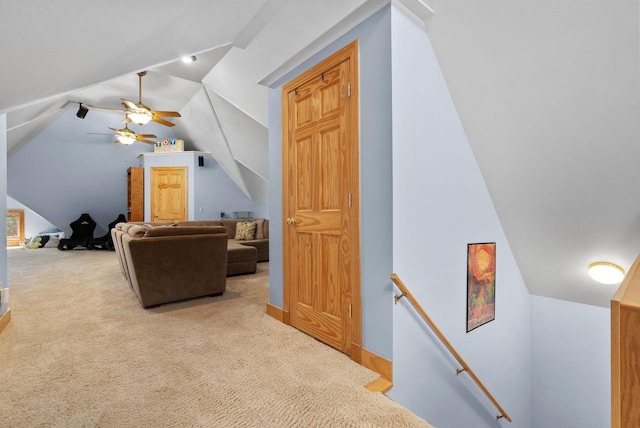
[449, 346]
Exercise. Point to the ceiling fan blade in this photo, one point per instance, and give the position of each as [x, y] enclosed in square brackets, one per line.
[98, 133]
[126, 120]
[128, 104]
[147, 136]
[146, 141]
[162, 121]
[166, 113]
[114, 129]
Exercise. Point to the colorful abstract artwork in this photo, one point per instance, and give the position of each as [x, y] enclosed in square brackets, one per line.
[481, 284]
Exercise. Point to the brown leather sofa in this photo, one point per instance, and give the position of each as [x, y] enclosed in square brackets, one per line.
[170, 263]
[260, 240]
[242, 255]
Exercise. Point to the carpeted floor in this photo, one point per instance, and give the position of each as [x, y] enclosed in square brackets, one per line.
[81, 352]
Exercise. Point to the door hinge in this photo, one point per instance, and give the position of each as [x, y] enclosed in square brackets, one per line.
[350, 311]
[350, 200]
[349, 89]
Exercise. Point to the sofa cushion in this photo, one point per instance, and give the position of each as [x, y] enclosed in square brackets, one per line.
[245, 230]
[136, 230]
[200, 223]
[184, 230]
[259, 228]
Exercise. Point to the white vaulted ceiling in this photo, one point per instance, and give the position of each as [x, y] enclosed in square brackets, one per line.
[91, 54]
[548, 93]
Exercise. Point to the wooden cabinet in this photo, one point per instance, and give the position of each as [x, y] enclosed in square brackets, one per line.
[625, 349]
[135, 194]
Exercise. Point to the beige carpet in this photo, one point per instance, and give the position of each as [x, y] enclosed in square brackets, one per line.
[81, 352]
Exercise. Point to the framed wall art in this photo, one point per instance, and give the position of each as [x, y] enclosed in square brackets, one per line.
[481, 284]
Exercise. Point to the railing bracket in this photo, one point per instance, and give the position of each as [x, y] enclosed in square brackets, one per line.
[398, 297]
[458, 371]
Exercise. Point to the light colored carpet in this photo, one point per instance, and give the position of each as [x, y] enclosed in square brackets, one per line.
[81, 352]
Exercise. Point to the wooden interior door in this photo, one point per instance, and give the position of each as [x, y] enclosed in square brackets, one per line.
[320, 179]
[169, 195]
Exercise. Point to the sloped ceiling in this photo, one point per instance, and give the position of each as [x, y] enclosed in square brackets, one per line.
[548, 93]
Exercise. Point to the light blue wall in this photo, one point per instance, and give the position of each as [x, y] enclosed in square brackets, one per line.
[64, 171]
[216, 192]
[373, 37]
[209, 188]
[33, 222]
[571, 364]
[3, 200]
[276, 273]
[440, 204]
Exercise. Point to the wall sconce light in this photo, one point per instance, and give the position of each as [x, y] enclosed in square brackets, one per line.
[82, 111]
[606, 272]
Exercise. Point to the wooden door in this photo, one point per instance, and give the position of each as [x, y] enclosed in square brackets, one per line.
[320, 180]
[169, 193]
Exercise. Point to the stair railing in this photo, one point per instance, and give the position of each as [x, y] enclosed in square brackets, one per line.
[465, 367]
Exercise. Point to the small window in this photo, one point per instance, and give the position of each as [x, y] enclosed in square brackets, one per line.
[15, 228]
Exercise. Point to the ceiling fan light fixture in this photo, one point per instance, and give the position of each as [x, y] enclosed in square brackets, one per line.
[141, 118]
[606, 272]
[126, 140]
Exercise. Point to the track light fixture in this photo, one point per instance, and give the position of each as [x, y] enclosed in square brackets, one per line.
[82, 111]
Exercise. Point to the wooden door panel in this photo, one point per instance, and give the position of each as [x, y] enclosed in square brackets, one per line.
[330, 99]
[330, 295]
[305, 280]
[304, 170]
[331, 170]
[320, 173]
[327, 222]
[303, 107]
[169, 194]
[320, 325]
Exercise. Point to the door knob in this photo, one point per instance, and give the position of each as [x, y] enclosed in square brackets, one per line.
[291, 220]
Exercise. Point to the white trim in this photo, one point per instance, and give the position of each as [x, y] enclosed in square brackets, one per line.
[417, 10]
[349, 22]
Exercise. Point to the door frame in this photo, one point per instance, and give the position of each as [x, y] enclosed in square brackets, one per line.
[349, 52]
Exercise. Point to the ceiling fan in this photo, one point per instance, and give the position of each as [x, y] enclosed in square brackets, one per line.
[138, 112]
[126, 136]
